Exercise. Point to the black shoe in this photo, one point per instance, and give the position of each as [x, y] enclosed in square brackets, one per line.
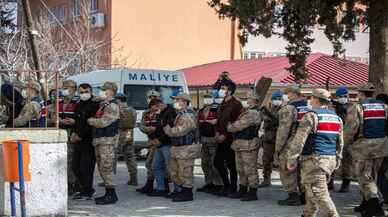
[205, 188]
[110, 197]
[373, 209]
[171, 195]
[292, 200]
[344, 186]
[241, 192]
[101, 184]
[360, 207]
[147, 188]
[85, 195]
[251, 195]
[185, 196]
[330, 185]
[214, 190]
[158, 193]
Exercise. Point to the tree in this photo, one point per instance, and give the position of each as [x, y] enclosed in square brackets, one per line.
[294, 21]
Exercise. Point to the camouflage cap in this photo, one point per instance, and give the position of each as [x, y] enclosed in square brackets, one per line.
[109, 86]
[70, 83]
[253, 95]
[321, 94]
[292, 89]
[369, 87]
[153, 93]
[33, 85]
[183, 96]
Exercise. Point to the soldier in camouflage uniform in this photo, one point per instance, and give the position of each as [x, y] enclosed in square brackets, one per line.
[317, 145]
[183, 150]
[271, 123]
[365, 130]
[146, 127]
[289, 117]
[32, 115]
[106, 134]
[126, 125]
[246, 144]
[207, 118]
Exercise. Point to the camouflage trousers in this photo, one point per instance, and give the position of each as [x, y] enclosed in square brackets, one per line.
[346, 169]
[208, 153]
[181, 165]
[71, 177]
[316, 172]
[105, 157]
[130, 159]
[289, 179]
[268, 152]
[366, 172]
[149, 163]
[246, 162]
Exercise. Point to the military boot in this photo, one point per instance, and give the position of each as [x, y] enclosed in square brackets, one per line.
[266, 182]
[110, 197]
[344, 186]
[292, 200]
[373, 209]
[251, 195]
[185, 196]
[360, 207]
[205, 188]
[147, 188]
[241, 192]
[132, 179]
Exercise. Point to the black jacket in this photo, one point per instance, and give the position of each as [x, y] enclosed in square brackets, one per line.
[167, 116]
[84, 111]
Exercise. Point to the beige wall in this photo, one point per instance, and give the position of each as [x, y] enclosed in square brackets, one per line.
[170, 34]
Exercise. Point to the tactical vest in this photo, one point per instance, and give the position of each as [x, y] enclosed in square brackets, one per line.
[324, 140]
[301, 107]
[68, 110]
[248, 133]
[109, 131]
[374, 119]
[41, 120]
[206, 129]
[187, 139]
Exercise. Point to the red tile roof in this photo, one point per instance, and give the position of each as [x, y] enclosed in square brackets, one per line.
[320, 66]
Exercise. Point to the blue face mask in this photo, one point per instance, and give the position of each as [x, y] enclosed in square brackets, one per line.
[221, 93]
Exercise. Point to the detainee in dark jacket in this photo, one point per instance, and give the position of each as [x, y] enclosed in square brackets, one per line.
[84, 158]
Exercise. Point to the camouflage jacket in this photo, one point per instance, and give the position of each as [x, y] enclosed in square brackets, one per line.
[287, 127]
[30, 111]
[249, 118]
[271, 123]
[307, 126]
[111, 115]
[184, 123]
[362, 148]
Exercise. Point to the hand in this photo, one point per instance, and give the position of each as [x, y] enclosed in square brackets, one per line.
[152, 129]
[74, 138]
[220, 138]
[69, 121]
[90, 121]
[166, 128]
[276, 158]
[291, 167]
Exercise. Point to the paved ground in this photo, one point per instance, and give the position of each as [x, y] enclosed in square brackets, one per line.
[137, 205]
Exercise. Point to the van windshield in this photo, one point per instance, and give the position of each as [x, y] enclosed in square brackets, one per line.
[136, 94]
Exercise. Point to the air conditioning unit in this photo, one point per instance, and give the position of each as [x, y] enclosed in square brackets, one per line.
[97, 20]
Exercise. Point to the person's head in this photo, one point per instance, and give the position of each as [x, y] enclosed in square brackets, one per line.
[224, 75]
[85, 91]
[252, 100]
[121, 97]
[277, 98]
[182, 101]
[366, 91]
[108, 91]
[293, 92]
[68, 88]
[31, 89]
[342, 95]
[208, 98]
[227, 88]
[155, 105]
[320, 97]
[152, 94]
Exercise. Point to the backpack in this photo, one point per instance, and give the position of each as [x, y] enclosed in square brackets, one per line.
[127, 117]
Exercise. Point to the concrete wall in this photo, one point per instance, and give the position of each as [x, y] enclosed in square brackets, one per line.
[46, 194]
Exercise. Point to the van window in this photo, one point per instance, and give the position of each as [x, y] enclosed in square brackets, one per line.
[136, 94]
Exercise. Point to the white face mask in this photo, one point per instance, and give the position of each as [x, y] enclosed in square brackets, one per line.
[24, 94]
[285, 98]
[65, 92]
[85, 96]
[207, 101]
[221, 93]
[177, 106]
[245, 104]
[277, 102]
[218, 100]
[102, 94]
[343, 100]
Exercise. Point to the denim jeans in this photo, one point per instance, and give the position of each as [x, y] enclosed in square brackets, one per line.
[160, 166]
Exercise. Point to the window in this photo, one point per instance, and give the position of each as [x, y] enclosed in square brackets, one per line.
[76, 8]
[93, 5]
[136, 94]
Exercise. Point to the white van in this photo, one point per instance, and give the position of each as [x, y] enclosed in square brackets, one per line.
[135, 83]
